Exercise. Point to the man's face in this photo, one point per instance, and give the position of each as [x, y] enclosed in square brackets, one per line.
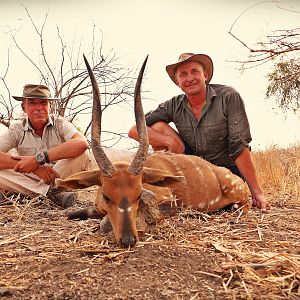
[37, 111]
[191, 78]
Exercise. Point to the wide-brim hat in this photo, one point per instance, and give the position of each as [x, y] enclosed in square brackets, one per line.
[203, 59]
[35, 91]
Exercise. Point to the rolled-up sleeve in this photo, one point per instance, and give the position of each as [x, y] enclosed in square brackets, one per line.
[239, 135]
[161, 113]
[8, 139]
[65, 128]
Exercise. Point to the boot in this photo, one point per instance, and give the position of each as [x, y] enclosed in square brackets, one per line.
[62, 197]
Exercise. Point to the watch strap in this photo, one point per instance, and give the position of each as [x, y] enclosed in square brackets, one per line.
[46, 157]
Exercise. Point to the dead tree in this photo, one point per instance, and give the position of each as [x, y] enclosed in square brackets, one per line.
[67, 75]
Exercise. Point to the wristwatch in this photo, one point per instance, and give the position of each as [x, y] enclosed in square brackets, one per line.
[40, 158]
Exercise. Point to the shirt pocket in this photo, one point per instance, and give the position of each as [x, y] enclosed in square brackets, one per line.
[185, 132]
[217, 137]
[26, 151]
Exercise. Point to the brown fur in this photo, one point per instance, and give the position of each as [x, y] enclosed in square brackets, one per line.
[204, 186]
[174, 179]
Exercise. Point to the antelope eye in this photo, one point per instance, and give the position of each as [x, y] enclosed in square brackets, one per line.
[105, 198]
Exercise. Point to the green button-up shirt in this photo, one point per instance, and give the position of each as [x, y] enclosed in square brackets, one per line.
[221, 132]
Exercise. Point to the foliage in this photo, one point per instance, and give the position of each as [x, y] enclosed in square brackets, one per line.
[284, 85]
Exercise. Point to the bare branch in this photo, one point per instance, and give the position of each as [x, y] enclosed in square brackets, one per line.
[277, 47]
[69, 81]
[250, 7]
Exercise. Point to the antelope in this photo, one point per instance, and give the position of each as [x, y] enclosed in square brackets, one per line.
[162, 179]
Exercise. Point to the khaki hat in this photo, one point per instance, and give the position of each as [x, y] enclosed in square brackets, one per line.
[203, 59]
[35, 91]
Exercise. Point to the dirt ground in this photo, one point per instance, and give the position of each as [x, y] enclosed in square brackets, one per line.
[192, 255]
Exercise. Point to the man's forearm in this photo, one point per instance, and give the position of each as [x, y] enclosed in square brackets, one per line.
[68, 149]
[246, 167]
[161, 137]
[7, 161]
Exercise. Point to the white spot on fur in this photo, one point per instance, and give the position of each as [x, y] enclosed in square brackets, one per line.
[121, 210]
[201, 205]
[213, 201]
[227, 176]
[234, 182]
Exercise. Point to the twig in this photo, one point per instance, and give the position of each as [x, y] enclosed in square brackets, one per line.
[9, 241]
[209, 274]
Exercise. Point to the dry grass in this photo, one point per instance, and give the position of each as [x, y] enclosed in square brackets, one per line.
[279, 172]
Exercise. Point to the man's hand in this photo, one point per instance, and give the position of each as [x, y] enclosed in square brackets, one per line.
[16, 156]
[175, 146]
[26, 164]
[261, 202]
[48, 174]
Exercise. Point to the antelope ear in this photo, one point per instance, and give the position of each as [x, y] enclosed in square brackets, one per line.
[81, 180]
[158, 176]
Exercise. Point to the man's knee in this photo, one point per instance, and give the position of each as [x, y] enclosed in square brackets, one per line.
[167, 130]
[162, 127]
[69, 166]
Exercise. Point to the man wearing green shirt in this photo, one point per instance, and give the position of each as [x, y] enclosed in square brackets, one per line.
[210, 119]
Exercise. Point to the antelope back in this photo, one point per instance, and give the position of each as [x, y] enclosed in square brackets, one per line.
[202, 186]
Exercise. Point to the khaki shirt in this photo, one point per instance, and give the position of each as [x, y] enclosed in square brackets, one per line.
[21, 136]
[222, 131]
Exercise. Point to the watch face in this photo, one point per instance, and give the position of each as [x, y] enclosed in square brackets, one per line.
[40, 158]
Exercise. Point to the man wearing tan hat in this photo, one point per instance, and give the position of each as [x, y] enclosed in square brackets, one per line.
[48, 147]
[210, 119]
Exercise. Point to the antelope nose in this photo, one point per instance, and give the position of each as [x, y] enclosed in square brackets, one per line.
[128, 241]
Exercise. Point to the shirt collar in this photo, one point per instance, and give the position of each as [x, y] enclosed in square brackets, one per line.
[27, 125]
[210, 94]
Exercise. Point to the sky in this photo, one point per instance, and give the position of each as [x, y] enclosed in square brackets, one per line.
[163, 29]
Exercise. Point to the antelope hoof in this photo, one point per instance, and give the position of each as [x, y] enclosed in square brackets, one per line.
[105, 226]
